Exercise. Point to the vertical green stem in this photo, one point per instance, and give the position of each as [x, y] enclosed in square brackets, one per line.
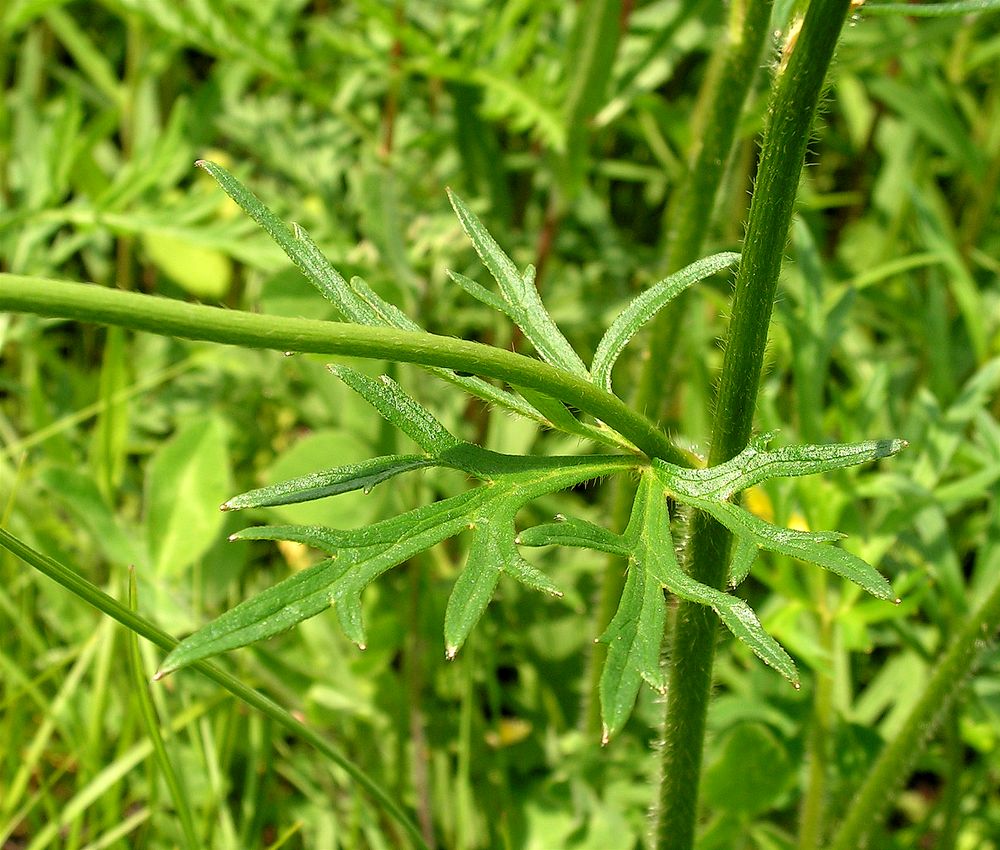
[798, 83]
[896, 760]
[813, 813]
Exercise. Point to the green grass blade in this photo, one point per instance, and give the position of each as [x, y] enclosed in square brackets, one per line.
[140, 687]
[94, 596]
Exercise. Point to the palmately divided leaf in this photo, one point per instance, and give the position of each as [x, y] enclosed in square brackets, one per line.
[300, 249]
[492, 553]
[710, 489]
[635, 633]
[360, 556]
[644, 307]
[522, 303]
[330, 482]
[735, 614]
[356, 301]
[808, 546]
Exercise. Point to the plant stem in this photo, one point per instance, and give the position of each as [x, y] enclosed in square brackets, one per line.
[813, 811]
[896, 760]
[83, 589]
[798, 84]
[167, 317]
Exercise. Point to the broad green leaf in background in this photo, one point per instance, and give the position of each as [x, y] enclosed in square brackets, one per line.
[188, 478]
[750, 773]
[204, 272]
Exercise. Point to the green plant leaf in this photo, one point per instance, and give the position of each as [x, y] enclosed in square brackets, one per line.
[710, 489]
[808, 546]
[331, 482]
[633, 638]
[268, 613]
[360, 556]
[480, 292]
[756, 464]
[187, 479]
[520, 297]
[204, 272]
[644, 307]
[356, 301]
[570, 531]
[931, 10]
[749, 749]
[388, 398]
[744, 554]
[321, 273]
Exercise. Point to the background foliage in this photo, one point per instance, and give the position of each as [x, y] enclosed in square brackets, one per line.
[352, 119]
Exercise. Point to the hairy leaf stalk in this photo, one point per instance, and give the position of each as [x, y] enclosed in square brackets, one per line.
[795, 95]
[89, 303]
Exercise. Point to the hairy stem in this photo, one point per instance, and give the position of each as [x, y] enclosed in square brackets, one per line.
[812, 814]
[896, 760]
[798, 84]
[164, 316]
